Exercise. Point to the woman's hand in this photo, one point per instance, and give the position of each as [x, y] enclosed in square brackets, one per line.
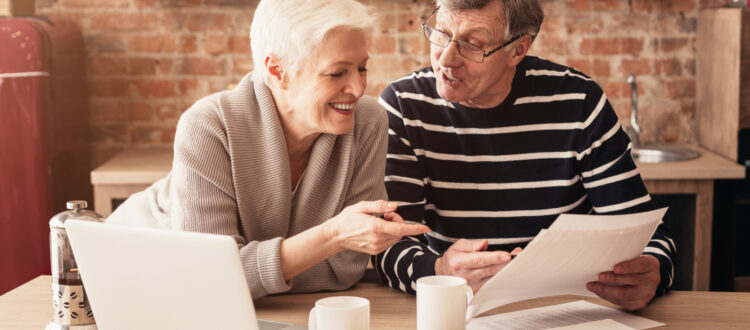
[356, 228]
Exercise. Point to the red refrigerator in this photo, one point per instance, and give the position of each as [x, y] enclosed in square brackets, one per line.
[44, 148]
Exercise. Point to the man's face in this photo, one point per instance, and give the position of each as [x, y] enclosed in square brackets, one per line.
[479, 85]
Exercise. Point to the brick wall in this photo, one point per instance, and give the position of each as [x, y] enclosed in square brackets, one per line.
[148, 60]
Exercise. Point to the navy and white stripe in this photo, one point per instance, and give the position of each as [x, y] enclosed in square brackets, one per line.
[553, 146]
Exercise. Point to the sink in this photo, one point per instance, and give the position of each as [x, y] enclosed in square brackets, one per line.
[662, 153]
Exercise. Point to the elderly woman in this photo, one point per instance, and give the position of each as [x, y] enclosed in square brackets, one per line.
[291, 162]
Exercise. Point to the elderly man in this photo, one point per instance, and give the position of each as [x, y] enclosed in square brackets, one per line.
[488, 146]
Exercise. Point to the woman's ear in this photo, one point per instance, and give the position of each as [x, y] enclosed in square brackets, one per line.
[276, 73]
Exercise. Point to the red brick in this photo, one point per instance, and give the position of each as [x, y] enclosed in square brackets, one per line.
[189, 87]
[142, 66]
[187, 45]
[673, 44]
[164, 65]
[242, 65]
[688, 108]
[148, 88]
[601, 68]
[616, 89]
[578, 5]
[637, 66]
[383, 44]
[580, 24]
[201, 66]
[102, 111]
[669, 67]
[167, 134]
[108, 133]
[152, 44]
[216, 45]
[584, 65]
[663, 6]
[167, 112]
[550, 45]
[240, 44]
[600, 46]
[109, 88]
[680, 88]
[94, 3]
[689, 66]
[205, 22]
[123, 22]
[146, 134]
[412, 44]
[609, 5]
[408, 23]
[632, 46]
[104, 44]
[140, 112]
[103, 66]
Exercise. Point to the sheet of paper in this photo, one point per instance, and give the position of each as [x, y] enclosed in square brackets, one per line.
[576, 313]
[595, 325]
[563, 258]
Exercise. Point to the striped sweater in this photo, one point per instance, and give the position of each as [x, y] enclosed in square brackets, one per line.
[553, 146]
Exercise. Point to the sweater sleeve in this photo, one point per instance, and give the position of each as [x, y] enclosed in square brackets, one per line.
[409, 259]
[612, 181]
[202, 197]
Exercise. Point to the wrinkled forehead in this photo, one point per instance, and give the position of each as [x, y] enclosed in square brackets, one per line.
[489, 20]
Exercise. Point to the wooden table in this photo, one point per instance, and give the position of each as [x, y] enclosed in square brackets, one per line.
[29, 307]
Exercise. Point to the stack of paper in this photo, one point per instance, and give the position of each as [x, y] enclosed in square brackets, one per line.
[563, 258]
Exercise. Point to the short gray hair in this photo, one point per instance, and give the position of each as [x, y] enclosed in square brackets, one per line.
[521, 16]
[290, 29]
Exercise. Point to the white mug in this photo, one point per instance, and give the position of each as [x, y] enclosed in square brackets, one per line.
[340, 313]
[441, 302]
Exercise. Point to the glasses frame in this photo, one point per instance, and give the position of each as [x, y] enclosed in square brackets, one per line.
[431, 29]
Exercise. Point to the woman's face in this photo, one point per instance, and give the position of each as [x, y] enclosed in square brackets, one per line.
[323, 94]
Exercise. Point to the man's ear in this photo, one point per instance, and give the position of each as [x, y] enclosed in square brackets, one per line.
[519, 49]
[276, 73]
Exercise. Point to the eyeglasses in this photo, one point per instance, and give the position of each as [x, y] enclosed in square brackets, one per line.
[467, 50]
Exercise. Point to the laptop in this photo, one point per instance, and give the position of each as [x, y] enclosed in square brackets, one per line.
[144, 278]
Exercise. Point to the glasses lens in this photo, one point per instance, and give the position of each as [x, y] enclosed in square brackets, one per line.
[436, 37]
[470, 51]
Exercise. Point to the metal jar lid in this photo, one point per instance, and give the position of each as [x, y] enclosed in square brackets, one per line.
[76, 211]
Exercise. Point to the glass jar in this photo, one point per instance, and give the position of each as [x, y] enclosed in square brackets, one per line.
[71, 308]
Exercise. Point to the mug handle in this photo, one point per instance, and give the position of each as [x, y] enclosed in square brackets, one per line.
[311, 320]
[469, 296]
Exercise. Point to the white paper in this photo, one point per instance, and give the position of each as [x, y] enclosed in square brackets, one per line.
[562, 259]
[578, 313]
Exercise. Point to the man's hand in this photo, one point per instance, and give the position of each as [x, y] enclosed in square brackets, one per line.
[468, 259]
[631, 284]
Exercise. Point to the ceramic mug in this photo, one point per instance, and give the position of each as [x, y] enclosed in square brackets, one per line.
[340, 313]
[442, 302]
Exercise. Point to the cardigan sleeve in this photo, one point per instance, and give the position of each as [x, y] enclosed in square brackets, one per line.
[202, 197]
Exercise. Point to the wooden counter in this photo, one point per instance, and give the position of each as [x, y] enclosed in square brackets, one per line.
[30, 307]
[128, 172]
[135, 169]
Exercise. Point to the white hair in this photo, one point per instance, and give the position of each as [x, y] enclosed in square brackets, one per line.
[291, 29]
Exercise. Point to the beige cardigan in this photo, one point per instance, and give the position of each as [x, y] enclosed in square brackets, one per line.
[231, 175]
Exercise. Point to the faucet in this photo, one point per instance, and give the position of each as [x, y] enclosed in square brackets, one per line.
[633, 130]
